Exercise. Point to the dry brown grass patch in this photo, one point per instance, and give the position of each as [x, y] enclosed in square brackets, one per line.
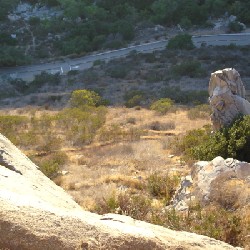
[126, 181]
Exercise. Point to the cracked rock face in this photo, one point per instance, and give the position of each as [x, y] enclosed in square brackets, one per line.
[207, 179]
[37, 214]
[227, 97]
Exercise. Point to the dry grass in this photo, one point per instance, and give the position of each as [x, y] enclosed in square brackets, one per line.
[114, 175]
[145, 117]
[97, 169]
[101, 168]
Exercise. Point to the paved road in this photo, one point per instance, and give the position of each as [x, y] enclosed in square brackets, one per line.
[63, 67]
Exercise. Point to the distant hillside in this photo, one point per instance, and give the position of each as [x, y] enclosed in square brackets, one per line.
[44, 29]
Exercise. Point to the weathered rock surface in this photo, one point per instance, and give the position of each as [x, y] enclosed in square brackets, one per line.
[37, 214]
[227, 97]
[209, 179]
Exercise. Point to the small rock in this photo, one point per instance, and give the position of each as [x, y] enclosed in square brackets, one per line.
[64, 172]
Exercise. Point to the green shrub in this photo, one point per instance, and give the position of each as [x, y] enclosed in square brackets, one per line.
[213, 222]
[232, 141]
[134, 98]
[84, 97]
[162, 106]
[184, 145]
[185, 97]
[11, 126]
[235, 27]
[188, 68]
[162, 186]
[185, 23]
[150, 57]
[98, 62]
[39, 81]
[6, 7]
[115, 44]
[136, 206]
[51, 163]
[12, 56]
[33, 21]
[6, 39]
[80, 125]
[183, 41]
[118, 71]
[134, 101]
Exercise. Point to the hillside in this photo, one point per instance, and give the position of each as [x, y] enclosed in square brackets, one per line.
[181, 75]
[33, 31]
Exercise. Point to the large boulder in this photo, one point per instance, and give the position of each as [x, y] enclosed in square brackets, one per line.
[227, 97]
[37, 214]
[220, 180]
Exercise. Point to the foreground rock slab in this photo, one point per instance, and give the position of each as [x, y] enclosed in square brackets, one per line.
[37, 214]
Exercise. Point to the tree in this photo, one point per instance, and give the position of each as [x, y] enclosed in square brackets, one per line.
[7, 6]
[163, 11]
[125, 28]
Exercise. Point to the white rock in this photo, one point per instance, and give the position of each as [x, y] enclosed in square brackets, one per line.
[200, 183]
[36, 214]
[227, 97]
[64, 172]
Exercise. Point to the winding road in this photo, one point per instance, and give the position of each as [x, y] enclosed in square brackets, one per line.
[63, 67]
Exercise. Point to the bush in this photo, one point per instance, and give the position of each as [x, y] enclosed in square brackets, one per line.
[39, 81]
[6, 39]
[98, 62]
[51, 163]
[159, 126]
[136, 206]
[185, 23]
[84, 97]
[12, 56]
[162, 106]
[10, 126]
[199, 112]
[162, 186]
[33, 21]
[80, 125]
[134, 98]
[49, 142]
[212, 222]
[118, 71]
[185, 145]
[235, 27]
[181, 42]
[232, 141]
[188, 68]
[185, 97]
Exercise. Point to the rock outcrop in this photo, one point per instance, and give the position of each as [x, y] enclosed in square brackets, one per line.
[37, 214]
[227, 97]
[211, 180]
